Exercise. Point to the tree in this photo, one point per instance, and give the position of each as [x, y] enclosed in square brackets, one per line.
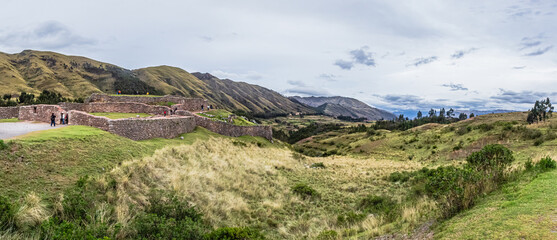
[472, 115]
[7, 97]
[462, 116]
[419, 114]
[431, 113]
[541, 111]
[26, 98]
[450, 113]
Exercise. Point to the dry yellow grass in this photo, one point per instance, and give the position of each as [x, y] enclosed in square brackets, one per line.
[32, 212]
[245, 186]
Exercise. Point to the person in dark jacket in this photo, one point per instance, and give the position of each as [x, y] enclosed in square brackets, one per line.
[53, 120]
[67, 118]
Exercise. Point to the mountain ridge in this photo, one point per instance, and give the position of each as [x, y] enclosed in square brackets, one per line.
[74, 76]
[344, 106]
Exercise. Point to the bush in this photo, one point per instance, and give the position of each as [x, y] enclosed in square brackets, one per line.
[484, 127]
[490, 157]
[230, 233]
[538, 142]
[399, 177]
[546, 164]
[463, 130]
[317, 165]
[372, 132]
[55, 228]
[169, 217]
[304, 191]
[3, 145]
[531, 133]
[378, 205]
[459, 146]
[6, 214]
[78, 202]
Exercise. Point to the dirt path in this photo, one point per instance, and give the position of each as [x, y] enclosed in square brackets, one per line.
[14, 129]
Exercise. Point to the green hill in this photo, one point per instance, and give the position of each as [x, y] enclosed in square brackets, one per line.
[74, 77]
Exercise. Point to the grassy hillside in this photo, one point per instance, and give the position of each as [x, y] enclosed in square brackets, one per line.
[78, 77]
[521, 210]
[252, 184]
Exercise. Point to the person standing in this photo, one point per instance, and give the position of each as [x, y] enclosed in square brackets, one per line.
[67, 119]
[53, 120]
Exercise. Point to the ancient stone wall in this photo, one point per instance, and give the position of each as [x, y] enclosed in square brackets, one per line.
[9, 112]
[40, 113]
[188, 104]
[228, 129]
[233, 130]
[73, 106]
[82, 118]
[146, 128]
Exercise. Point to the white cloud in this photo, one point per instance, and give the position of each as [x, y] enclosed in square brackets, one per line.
[269, 42]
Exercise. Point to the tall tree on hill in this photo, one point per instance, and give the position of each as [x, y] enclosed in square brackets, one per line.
[462, 116]
[450, 113]
[419, 114]
[472, 115]
[431, 113]
[541, 111]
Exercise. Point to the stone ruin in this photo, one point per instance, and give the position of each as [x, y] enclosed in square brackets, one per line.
[170, 126]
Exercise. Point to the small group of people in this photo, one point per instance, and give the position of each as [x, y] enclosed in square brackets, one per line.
[172, 111]
[209, 107]
[64, 119]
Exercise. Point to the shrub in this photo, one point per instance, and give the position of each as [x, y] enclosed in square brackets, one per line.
[546, 164]
[399, 177]
[463, 130]
[459, 146]
[531, 133]
[231, 233]
[3, 145]
[484, 127]
[372, 132]
[55, 228]
[490, 157]
[78, 202]
[378, 205]
[304, 191]
[538, 142]
[6, 214]
[317, 165]
[169, 217]
[528, 165]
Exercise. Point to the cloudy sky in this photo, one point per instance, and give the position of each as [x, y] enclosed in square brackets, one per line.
[396, 55]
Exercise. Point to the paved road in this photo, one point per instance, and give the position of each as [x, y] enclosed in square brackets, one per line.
[10, 130]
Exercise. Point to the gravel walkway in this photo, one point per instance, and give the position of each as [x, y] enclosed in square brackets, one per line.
[10, 130]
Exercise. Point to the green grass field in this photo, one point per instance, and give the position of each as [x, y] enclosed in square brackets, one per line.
[521, 210]
[112, 115]
[50, 160]
[220, 114]
[9, 120]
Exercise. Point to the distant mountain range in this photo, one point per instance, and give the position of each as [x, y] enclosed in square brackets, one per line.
[73, 76]
[344, 106]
